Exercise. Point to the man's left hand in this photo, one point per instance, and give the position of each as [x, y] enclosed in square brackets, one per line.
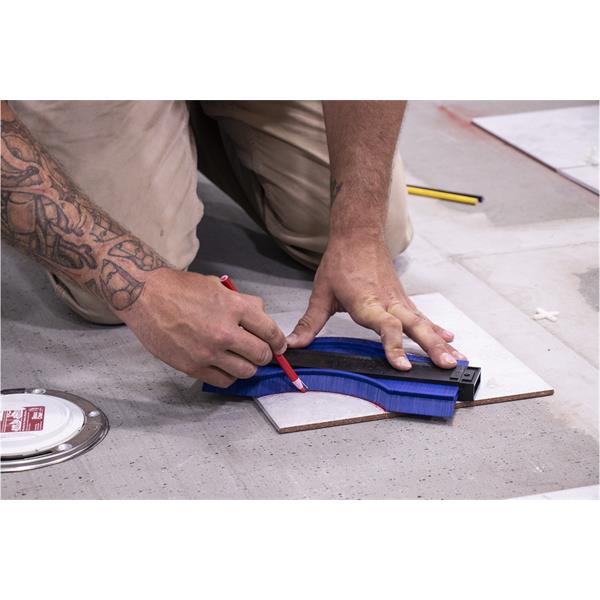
[360, 278]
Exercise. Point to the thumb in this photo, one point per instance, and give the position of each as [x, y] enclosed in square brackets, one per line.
[308, 326]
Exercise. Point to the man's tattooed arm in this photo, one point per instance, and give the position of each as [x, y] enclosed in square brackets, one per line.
[46, 216]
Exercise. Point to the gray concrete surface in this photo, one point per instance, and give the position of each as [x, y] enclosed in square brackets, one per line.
[531, 243]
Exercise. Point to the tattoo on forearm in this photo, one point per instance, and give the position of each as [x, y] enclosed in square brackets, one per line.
[119, 288]
[138, 253]
[92, 286]
[334, 188]
[48, 217]
[105, 229]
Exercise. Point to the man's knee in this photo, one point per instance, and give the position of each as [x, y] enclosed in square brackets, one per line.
[398, 227]
[86, 305]
[306, 240]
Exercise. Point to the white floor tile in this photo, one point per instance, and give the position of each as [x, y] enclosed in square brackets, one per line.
[590, 492]
[587, 176]
[504, 377]
[561, 139]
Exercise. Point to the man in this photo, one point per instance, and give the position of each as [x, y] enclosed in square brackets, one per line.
[103, 194]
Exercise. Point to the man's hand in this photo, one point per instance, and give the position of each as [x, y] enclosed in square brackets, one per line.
[359, 277]
[187, 320]
[197, 326]
[356, 273]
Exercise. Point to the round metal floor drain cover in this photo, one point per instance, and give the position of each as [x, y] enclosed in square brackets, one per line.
[42, 427]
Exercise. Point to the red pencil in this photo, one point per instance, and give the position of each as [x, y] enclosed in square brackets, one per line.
[283, 363]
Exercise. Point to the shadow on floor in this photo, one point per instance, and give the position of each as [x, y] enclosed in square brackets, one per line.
[223, 242]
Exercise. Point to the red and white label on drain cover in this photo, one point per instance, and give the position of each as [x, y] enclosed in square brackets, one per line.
[29, 418]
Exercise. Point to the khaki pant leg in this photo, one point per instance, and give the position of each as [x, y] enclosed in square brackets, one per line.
[278, 153]
[137, 161]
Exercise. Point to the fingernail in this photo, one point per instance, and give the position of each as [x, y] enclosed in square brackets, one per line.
[283, 349]
[403, 363]
[292, 338]
[460, 356]
[448, 332]
[448, 359]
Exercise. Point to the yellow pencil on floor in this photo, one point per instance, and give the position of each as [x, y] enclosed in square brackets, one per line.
[416, 190]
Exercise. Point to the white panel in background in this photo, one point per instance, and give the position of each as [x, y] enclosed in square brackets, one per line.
[586, 176]
[564, 139]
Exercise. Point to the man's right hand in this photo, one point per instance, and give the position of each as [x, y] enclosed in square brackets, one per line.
[189, 321]
[196, 325]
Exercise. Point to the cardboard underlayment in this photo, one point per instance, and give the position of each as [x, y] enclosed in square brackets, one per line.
[503, 376]
[565, 139]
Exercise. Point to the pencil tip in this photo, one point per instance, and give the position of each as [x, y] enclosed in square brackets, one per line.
[299, 385]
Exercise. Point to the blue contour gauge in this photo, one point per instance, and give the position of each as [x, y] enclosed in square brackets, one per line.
[393, 395]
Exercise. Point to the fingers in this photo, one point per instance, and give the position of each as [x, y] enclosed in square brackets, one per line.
[422, 331]
[252, 348]
[391, 338]
[214, 376]
[437, 348]
[444, 333]
[256, 321]
[390, 330]
[309, 325]
[235, 365]
[229, 367]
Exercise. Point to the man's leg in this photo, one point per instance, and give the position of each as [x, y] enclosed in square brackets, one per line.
[137, 161]
[276, 152]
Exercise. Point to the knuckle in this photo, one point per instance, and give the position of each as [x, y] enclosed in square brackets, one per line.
[304, 322]
[247, 371]
[224, 381]
[250, 299]
[273, 332]
[439, 346]
[419, 319]
[224, 338]
[237, 301]
[396, 307]
[396, 347]
[391, 327]
[264, 356]
[195, 367]
[202, 357]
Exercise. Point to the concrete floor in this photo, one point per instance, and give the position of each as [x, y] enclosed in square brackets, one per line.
[533, 242]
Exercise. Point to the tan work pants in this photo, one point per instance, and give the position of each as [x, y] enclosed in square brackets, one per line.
[138, 161]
